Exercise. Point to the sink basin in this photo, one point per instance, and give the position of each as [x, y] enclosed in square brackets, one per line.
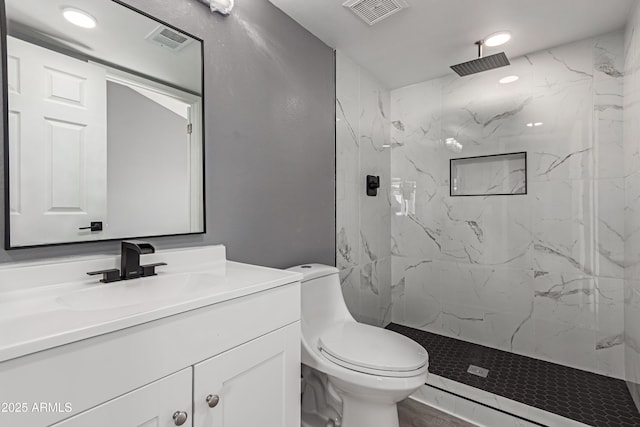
[52, 303]
[142, 291]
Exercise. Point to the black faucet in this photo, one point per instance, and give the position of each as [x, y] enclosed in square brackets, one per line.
[130, 263]
[130, 258]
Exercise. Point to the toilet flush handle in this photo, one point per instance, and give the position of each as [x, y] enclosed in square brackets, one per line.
[212, 400]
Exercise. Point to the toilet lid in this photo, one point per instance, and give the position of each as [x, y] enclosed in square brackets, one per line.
[373, 348]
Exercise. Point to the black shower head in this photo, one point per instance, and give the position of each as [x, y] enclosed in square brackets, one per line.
[482, 63]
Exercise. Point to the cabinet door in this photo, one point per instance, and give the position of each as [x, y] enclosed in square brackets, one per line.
[153, 405]
[255, 384]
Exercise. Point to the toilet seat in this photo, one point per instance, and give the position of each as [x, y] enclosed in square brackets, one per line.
[372, 350]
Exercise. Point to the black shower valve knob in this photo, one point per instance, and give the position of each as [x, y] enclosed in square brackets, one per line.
[373, 183]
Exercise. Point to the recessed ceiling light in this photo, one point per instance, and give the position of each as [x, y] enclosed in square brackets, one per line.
[497, 39]
[79, 18]
[534, 124]
[509, 79]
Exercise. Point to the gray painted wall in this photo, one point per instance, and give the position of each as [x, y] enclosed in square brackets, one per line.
[270, 149]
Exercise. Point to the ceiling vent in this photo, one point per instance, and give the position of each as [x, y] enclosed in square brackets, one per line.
[168, 38]
[374, 11]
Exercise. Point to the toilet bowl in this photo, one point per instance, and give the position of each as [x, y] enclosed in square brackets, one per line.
[371, 369]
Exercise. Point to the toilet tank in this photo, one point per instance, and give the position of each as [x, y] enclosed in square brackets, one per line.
[322, 302]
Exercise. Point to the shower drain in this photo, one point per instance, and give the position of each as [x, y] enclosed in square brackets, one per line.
[478, 371]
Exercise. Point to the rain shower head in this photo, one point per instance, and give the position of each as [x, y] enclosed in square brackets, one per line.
[481, 64]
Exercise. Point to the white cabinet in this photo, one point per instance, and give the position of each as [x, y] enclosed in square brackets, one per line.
[255, 384]
[153, 405]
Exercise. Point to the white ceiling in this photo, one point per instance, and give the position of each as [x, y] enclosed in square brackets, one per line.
[118, 38]
[421, 42]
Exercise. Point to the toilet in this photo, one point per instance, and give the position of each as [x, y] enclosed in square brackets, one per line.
[353, 374]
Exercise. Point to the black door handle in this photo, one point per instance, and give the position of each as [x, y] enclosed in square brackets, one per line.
[95, 226]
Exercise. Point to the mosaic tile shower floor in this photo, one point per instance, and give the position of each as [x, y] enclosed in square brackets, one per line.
[589, 398]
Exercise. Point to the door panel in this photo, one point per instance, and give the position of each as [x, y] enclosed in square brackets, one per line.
[15, 162]
[65, 87]
[65, 160]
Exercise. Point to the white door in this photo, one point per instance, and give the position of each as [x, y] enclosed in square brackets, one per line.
[164, 403]
[255, 384]
[57, 145]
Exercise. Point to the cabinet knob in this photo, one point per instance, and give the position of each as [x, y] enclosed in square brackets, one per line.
[213, 400]
[180, 417]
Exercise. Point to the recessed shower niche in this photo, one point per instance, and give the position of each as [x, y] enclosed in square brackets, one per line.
[494, 175]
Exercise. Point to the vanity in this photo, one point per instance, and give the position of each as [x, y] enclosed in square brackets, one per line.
[205, 342]
[104, 140]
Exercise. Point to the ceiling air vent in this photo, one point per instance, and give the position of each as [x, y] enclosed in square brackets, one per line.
[168, 38]
[374, 11]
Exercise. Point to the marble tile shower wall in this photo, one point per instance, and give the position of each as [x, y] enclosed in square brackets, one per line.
[632, 208]
[540, 274]
[363, 223]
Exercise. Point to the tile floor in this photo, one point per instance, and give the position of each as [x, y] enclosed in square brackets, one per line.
[415, 414]
[589, 398]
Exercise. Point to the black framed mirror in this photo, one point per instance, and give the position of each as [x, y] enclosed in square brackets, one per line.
[103, 120]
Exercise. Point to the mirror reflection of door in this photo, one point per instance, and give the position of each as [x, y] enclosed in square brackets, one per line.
[149, 132]
[105, 124]
[58, 144]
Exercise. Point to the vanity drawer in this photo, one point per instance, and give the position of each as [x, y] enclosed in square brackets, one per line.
[90, 372]
[152, 405]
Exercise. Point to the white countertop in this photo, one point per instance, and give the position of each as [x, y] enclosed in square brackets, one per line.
[59, 310]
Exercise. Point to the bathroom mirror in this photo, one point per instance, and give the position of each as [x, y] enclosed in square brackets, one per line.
[103, 124]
